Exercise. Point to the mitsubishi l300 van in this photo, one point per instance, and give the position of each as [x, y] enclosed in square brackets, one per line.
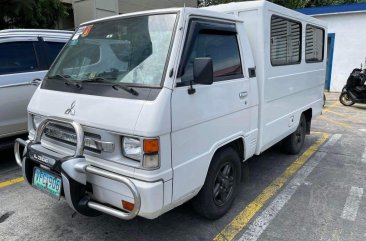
[144, 111]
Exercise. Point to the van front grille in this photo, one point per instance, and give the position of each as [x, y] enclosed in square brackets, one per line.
[67, 135]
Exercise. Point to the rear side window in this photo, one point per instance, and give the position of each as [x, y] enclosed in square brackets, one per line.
[224, 51]
[314, 49]
[17, 57]
[285, 41]
[53, 49]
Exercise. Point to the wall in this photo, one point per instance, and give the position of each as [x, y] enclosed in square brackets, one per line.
[85, 10]
[350, 45]
[126, 6]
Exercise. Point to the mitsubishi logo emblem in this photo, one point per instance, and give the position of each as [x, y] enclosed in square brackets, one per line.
[71, 111]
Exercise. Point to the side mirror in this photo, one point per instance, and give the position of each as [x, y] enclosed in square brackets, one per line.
[203, 71]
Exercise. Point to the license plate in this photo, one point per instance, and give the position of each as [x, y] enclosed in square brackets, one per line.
[47, 182]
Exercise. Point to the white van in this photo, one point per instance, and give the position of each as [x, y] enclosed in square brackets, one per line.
[145, 111]
[25, 56]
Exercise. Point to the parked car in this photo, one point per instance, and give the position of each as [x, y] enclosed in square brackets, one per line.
[25, 56]
[145, 111]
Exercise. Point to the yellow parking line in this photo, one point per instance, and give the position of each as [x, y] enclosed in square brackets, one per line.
[316, 132]
[336, 122]
[335, 104]
[11, 182]
[338, 105]
[353, 108]
[243, 218]
[357, 120]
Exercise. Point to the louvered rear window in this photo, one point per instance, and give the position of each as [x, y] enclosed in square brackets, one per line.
[314, 50]
[285, 41]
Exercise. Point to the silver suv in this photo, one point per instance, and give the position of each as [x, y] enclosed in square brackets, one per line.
[25, 56]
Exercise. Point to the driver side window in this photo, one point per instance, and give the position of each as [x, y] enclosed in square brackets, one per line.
[222, 48]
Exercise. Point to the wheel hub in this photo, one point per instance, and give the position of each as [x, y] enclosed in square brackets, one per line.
[224, 184]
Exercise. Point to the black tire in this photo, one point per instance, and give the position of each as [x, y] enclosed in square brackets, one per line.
[293, 143]
[221, 185]
[345, 99]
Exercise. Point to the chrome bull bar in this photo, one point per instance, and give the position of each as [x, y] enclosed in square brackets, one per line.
[19, 142]
[77, 127]
[88, 168]
[112, 211]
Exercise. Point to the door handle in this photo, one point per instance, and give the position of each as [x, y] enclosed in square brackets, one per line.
[243, 94]
[36, 82]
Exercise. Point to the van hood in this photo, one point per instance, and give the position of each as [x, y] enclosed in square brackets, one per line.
[113, 114]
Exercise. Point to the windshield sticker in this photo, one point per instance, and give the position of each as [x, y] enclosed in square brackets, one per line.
[92, 75]
[86, 30]
[78, 33]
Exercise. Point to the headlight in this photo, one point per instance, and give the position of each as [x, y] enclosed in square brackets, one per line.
[132, 148]
[36, 120]
[145, 151]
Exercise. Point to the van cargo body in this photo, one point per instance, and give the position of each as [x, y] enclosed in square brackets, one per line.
[285, 91]
[145, 111]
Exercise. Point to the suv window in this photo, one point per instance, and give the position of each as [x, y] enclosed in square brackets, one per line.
[224, 51]
[53, 49]
[314, 50]
[285, 41]
[17, 57]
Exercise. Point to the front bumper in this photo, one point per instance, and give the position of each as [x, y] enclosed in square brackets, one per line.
[88, 189]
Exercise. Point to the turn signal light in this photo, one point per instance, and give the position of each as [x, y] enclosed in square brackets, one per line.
[151, 146]
[127, 205]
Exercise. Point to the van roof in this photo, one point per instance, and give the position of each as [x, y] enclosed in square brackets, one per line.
[235, 7]
[200, 11]
[8, 33]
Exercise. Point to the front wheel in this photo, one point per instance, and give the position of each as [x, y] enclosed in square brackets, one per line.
[345, 99]
[221, 185]
[294, 142]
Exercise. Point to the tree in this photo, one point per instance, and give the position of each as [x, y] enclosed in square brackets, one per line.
[286, 3]
[31, 13]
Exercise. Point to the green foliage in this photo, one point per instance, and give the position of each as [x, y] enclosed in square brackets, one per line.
[286, 3]
[30, 13]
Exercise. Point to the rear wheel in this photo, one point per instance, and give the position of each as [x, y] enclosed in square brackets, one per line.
[345, 99]
[221, 185]
[294, 142]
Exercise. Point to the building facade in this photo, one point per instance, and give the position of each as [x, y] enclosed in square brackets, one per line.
[85, 10]
[346, 40]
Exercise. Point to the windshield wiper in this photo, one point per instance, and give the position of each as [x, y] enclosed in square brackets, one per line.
[115, 86]
[126, 88]
[68, 82]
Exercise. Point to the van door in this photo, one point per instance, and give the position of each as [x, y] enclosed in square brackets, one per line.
[19, 66]
[214, 113]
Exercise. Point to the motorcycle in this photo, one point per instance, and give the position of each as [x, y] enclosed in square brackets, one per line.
[355, 89]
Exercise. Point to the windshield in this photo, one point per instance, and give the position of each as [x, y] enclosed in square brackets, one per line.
[131, 50]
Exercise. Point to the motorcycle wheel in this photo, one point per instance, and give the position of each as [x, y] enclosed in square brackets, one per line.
[345, 99]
